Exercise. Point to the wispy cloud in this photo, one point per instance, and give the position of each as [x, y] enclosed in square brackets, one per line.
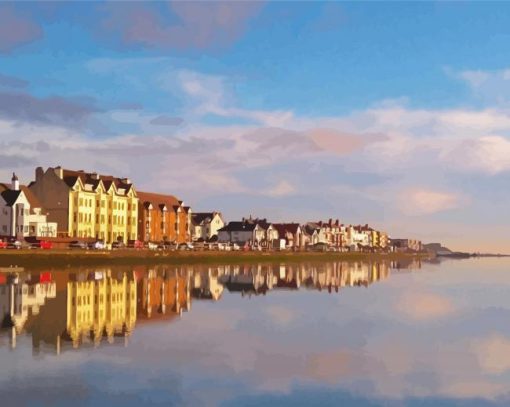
[52, 110]
[421, 201]
[12, 82]
[16, 29]
[179, 25]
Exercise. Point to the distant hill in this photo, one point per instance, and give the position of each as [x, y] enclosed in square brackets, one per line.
[437, 249]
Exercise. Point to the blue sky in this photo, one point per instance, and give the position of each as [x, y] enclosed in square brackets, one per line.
[389, 113]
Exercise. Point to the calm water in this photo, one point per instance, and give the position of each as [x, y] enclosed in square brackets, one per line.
[417, 334]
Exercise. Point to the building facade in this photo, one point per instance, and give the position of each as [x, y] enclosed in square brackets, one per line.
[205, 225]
[88, 205]
[163, 218]
[21, 214]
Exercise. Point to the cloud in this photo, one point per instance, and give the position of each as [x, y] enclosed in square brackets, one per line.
[180, 25]
[167, 121]
[420, 201]
[423, 306]
[12, 82]
[338, 142]
[487, 154]
[282, 188]
[210, 94]
[27, 108]
[491, 86]
[16, 29]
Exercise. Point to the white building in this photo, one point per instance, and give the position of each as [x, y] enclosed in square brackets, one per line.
[205, 225]
[21, 214]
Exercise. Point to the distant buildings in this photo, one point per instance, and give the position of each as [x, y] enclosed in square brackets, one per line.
[406, 245]
[330, 235]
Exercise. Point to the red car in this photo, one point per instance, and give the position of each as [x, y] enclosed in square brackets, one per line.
[3, 245]
[46, 245]
[42, 244]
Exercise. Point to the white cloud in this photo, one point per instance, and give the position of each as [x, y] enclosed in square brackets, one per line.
[420, 201]
[282, 188]
[487, 154]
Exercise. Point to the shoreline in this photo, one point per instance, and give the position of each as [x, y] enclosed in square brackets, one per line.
[69, 258]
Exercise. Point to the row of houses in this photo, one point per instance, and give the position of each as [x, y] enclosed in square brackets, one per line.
[261, 233]
[87, 205]
[63, 203]
[330, 234]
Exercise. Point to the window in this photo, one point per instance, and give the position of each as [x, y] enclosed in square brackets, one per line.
[97, 218]
[97, 203]
[102, 204]
[81, 201]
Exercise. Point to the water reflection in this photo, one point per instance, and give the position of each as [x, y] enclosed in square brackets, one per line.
[65, 309]
[296, 334]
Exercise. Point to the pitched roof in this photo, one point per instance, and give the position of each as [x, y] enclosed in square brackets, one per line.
[71, 176]
[284, 228]
[199, 217]
[32, 199]
[239, 227]
[10, 196]
[169, 201]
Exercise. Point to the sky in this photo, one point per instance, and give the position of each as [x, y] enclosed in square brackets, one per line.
[393, 114]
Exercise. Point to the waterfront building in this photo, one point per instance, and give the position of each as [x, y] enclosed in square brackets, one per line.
[88, 205]
[21, 213]
[205, 225]
[290, 233]
[251, 231]
[163, 218]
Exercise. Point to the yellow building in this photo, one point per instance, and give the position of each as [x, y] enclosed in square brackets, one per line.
[104, 306]
[88, 205]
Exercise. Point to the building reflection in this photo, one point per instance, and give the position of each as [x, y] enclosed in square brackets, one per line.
[70, 309]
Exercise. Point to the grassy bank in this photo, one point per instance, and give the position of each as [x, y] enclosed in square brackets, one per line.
[78, 258]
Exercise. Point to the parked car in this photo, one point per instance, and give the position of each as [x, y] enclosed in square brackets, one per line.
[14, 244]
[135, 244]
[152, 246]
[118, 245]
[97, 245]
[3, 245]
[185, 246]
[78, 244]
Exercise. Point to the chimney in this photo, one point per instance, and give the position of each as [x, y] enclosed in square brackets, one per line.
[15, 182]
[94, 175]
[39, 172]
[59, 171]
